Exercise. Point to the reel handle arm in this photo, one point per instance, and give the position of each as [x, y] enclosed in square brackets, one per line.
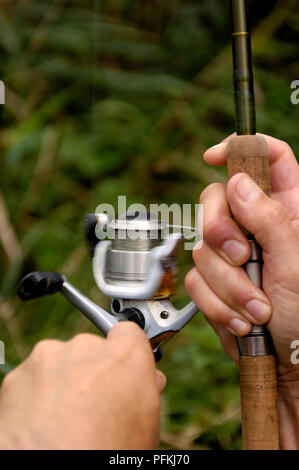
[103, 320]
[39, 284]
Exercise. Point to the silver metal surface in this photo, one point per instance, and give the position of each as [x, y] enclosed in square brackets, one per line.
[136, 232]
[97, 315]
[155, 325]
[127, 265]
[158, 263]
[254, 271]
[141, 243]
[255, 345]
[132, 237]
[256, 254]
[258, 342]
[140, 222]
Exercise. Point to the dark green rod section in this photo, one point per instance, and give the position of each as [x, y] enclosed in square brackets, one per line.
[243, 74]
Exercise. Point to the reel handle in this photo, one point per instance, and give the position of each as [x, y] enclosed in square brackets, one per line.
[38, 284]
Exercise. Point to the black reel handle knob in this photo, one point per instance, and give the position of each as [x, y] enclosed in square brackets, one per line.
[38, 284]
[91, 221]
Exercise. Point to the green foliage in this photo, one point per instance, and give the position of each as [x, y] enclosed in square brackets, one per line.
[121, 97]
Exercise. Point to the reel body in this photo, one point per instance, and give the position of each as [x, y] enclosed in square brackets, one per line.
[135, 266]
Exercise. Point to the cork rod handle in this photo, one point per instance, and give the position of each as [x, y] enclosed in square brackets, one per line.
[249, 154]
[259, 403]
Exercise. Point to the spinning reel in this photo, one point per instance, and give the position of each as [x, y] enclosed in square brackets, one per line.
[135, 266]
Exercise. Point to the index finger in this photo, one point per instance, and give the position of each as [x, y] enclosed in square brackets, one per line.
[284, 169]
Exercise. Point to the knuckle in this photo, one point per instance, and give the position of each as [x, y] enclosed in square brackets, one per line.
[130, 346]
[8, 381]
[212, 188]
[280, 213]
[201, 257]
[211, 229]
[190, 280]
[124, 349]
[218, 316]
[288, 148]
[85, 339]
[44, 348]
[130, 350]
[197, 254]
[276, 213]
[218, 228]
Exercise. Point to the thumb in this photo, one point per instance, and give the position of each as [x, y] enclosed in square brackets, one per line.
[263, 217]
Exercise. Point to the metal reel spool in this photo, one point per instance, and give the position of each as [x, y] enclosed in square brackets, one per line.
[127, 260]
[132, 236]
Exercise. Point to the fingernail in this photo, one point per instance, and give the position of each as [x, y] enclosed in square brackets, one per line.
[198, 245]
[247, 189]
[260, 310]
[235, 250]
[215, 146]
[238, 327]
[161, 380]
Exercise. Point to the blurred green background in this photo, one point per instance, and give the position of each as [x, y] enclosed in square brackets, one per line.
[123, 97]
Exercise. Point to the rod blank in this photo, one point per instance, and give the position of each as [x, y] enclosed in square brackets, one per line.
[243, 73]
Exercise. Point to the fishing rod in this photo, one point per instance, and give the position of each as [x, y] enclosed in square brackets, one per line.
[138, 273]
[248, 153]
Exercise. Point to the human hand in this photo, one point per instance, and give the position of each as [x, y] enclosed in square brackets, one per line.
[220, 287]
[86, 393]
